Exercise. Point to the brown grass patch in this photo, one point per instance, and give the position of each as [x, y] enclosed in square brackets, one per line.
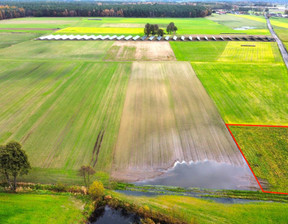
[138, 50]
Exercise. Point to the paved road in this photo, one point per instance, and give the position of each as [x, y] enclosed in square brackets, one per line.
[279, 42]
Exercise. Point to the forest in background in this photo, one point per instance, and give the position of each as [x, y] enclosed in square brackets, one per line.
[15, 9]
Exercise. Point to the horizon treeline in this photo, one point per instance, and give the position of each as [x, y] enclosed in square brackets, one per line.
[14, 9]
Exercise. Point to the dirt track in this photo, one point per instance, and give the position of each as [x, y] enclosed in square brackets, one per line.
[146, 51]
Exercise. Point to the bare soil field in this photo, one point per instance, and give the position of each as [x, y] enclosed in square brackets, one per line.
[145, 51]
[168, 117]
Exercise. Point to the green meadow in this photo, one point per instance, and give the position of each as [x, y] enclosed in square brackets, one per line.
[198, 51]
[265, 148]
[247, 93]
[280, 26]
[62, 109]
[36, 208]
[74, 25]
[57, 50]
[9, 39]
[194, 210]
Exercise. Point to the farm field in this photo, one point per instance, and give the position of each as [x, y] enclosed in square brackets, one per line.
[21, 24]
[252, 52]
[185, 25]
[8, 39]
[168, 117]
[101, 30]
[257, 52]
[193, 210]
[247, 93]
[53, 109]
[210, 25]
[265, 148]
[33, 208]
[234, 21]
[143, 51]
[260, 19]
[198, 51]
[280, 26]
[133, 109]
[282, 33]
[279, 22]
[57, 50]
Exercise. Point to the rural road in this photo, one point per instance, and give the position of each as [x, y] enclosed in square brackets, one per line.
[279, 42]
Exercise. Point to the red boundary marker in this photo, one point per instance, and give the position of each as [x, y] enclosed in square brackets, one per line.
[254, 125]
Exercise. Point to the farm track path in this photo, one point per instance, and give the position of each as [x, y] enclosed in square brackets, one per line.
[279, 42]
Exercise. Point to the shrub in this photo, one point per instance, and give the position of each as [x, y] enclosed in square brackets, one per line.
[59, 187]
[96, 189]
[147, 221]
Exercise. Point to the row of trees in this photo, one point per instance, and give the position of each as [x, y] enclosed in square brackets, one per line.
[154, 29]
[65, 9]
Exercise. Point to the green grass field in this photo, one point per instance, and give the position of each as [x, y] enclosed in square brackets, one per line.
[279, 22]
[247, 93]
[209, 25]
[8, 39]
[198, 51]
[193, 210]
[58, 110]
[254, 52]
[101, 30]
[257, 52]
[280, 26]
[64, 103]
[265, 148]
[36, 208]
[233, 21]
[39, 23]
[57, 50]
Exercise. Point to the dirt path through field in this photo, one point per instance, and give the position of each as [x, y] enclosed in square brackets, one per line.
[168, 117]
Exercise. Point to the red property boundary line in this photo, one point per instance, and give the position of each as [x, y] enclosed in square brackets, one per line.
[254, 125]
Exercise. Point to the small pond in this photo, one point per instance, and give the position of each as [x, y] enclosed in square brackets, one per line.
[108, 215]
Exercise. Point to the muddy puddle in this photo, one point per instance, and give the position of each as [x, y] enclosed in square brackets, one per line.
[245, 28]
[108, 215]
[207, 174]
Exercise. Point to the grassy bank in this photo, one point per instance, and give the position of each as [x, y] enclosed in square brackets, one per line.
[193, 210]
[266, 151]
[30, 208]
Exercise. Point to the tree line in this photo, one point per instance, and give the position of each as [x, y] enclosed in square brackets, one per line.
[8, 12]
[14, 9]
[154, 29]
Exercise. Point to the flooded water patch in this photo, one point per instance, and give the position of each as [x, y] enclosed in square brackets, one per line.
[207, 174]
[203, 196]
[108, 215]
[245, 28]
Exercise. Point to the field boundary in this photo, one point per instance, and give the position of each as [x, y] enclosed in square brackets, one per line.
[254, 125]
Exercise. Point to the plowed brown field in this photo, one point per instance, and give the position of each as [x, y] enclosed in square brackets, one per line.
[168, 117]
